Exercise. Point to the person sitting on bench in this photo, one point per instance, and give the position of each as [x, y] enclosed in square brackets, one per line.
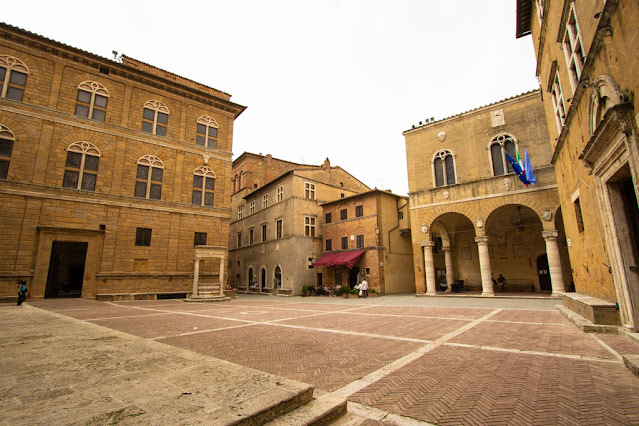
[501, 282]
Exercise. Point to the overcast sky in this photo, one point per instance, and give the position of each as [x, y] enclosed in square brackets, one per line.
[321, 78]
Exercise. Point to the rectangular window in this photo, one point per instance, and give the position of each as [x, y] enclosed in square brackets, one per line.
[309, 226]
[199, 239]
[280, 193]
[251, 237]
[329, 245]
[309, 190]
[400, 215]
[239, 239]
[264, 232]
[143, 237]
[343, 214]
[344, 243]
[252, 207]
[265, 201]
[329, 218]
[90, 105]
[573, 48]
[12, 83]
[578, 216]
[557, 98]
[360, 241]
[240, 212]
[278, 229]
[359, 211]
[206, 135]
[154, 122]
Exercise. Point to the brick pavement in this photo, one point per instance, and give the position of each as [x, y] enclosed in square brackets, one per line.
[440, 364]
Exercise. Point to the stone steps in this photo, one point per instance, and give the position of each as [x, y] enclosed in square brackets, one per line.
[321, 411]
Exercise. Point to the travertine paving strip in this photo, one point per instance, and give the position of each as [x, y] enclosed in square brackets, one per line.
[454, 385]
[542, 338]
[460, 313]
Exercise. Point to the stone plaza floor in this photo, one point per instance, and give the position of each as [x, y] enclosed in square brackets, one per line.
[440, 360]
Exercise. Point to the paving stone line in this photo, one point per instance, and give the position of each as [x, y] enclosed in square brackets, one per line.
[371, 378]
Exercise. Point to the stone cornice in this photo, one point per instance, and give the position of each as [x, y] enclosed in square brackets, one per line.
[21, 37]
[85, 197]
[55, 116]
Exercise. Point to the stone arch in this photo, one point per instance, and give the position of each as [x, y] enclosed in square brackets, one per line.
[275, 276]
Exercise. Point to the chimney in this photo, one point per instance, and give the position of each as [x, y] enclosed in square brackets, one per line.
[327, 164]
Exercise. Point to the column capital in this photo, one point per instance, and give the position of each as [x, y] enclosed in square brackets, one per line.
[550, 235]
[447, 248]
[430, 244]
[481, 240]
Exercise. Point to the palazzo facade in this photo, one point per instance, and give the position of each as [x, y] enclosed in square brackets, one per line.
[111, 173]
[588, 67]
[471, 217]
[275, 235]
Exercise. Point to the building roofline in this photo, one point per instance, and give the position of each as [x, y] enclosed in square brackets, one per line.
[363, 194]
[530, 93]
[52, 47]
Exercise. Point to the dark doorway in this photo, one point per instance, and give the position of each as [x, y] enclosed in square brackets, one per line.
[320, 281]
[66, 269]
[352, 279]
[250, 277]
[263, 279]
[544, 275]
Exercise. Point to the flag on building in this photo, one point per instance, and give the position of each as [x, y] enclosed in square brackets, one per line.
[518, 171]
[530, 176]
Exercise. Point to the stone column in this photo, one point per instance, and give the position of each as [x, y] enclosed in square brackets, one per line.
[429, 268]
[554, 261]
[196, 275]
[450, 276]
[484, 267]
[222, 276]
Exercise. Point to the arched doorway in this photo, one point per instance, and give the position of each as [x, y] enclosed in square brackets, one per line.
[263, 279]
[250, 277]
[543, 273]
[277, 282]
[515, 243]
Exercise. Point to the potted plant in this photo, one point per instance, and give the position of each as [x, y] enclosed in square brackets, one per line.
[305, 291]
[353, 293]
[343, 291]
[373, 293]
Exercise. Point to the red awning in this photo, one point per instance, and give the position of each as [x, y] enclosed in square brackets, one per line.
[348, 258]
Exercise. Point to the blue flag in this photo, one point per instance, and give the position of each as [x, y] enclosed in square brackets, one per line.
[530, 176]
[518, 171]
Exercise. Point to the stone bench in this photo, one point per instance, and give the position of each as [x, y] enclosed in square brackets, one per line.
[112, 297]
[595, 310]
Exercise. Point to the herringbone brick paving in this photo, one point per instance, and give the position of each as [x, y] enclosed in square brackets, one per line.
[565, 339]
[324, 359]
[479, 376]
[472, 386]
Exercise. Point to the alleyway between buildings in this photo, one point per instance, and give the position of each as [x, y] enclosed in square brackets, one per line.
[396, 359]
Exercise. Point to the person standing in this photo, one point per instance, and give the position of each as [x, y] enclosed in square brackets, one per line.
[22, 291]
[364, 288]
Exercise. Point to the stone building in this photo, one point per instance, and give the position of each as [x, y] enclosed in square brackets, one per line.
[111, 172]
[275, 229]
[588, 67]
[367, 236]
[471, 217]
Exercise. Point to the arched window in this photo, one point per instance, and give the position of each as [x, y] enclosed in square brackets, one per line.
[81, 169]
[7, 138]
[148, 181]
[444, 168]
[13, 77]
[155, 118]
[203, 186]
[92, 100]
[206, 132]
[499, 146]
